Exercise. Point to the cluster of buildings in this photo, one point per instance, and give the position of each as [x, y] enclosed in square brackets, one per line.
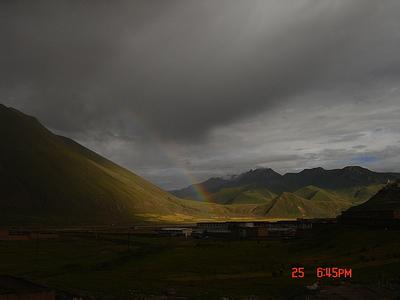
[245, 230]
[256, 229]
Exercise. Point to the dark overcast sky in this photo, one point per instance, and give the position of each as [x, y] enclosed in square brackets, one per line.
[212, 87]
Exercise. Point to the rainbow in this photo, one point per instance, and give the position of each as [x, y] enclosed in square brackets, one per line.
[200, 190]
[171, 153]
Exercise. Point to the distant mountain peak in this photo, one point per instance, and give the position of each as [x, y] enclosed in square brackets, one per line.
[356, 169]
[257, 176]
[260, 171]
[214, 180]
[313, 170]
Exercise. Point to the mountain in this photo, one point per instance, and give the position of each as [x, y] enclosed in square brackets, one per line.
[387, 199]
[317, 194]
[290, 205]
[351, 176]
[47, 179]
[242, 195]
[355, 184]
[212, 184]
[50, 179]
[383, 209]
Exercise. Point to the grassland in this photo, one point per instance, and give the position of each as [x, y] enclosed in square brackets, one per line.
[118, 266]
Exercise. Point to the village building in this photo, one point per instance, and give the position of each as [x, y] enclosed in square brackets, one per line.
[215, 226]
[251, 230]
[214, 229]
[175, 231]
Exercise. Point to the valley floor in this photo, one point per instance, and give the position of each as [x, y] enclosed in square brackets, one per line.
[118, 267]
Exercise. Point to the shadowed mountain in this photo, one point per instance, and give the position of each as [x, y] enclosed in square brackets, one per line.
[45, 178]
[382, 210]
[387, 199]
[351, 176]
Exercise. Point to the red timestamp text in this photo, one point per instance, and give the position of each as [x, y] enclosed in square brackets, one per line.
[334, 272]
[324, 272]
[298, 272]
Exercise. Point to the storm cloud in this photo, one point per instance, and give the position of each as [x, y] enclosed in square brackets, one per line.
[139, 80]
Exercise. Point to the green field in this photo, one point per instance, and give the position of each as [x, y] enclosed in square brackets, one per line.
[109, 265]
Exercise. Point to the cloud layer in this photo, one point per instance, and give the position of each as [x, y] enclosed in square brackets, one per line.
[210, 86]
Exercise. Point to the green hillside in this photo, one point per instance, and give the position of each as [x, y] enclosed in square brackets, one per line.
[290, 205]
[353, 183]
[255, 196]
[243, 195]
[317, 194]
[260, 195]
[313, 202]
[51, 179]
[358, 195]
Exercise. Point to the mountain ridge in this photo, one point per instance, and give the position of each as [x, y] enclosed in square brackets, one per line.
[49, 179]
[349, 177]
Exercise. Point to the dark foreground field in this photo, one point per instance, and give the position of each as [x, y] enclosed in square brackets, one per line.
[109, 265]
